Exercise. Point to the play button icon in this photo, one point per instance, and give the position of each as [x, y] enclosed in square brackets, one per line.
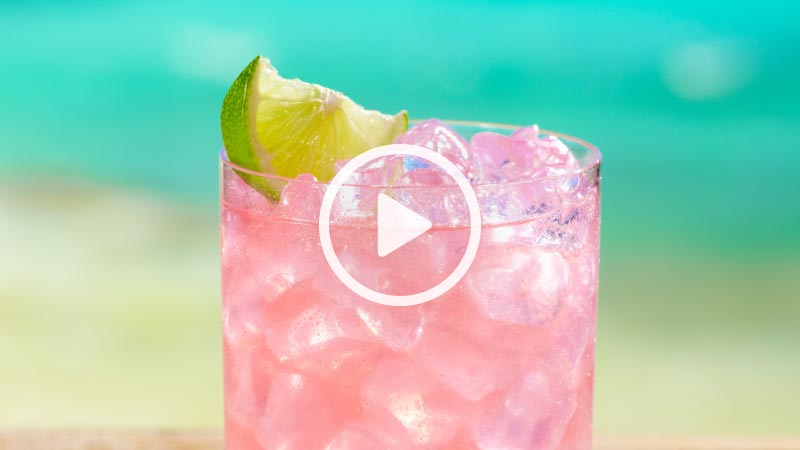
[397, 225]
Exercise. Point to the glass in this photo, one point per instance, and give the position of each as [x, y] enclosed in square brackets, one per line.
[503, 360]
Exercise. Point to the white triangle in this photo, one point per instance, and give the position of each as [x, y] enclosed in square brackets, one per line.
[397, 225]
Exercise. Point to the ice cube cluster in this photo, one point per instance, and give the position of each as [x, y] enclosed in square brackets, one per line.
[521, 176]
[488, 158]
[503, 361]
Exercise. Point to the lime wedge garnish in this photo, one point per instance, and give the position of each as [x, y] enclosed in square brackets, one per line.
[287, 127]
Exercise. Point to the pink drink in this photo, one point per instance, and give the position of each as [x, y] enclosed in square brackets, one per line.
[504, 360]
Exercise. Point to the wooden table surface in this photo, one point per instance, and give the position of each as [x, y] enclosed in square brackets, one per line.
[212, 440]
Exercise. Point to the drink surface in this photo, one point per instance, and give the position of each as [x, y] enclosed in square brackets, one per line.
[504, 360]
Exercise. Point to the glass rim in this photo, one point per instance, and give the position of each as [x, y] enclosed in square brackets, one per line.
[593, 163]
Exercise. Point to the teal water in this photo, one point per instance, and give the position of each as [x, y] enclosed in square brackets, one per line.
[694, 104]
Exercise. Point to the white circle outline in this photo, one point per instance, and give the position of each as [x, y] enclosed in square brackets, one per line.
[325, 232]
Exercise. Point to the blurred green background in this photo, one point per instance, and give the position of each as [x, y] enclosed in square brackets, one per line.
[109, 287]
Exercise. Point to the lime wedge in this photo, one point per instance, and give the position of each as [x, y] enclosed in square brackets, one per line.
[287, 127]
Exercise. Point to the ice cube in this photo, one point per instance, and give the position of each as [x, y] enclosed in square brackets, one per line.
[238, 436]
[243, 311]
[518, 283]
[360, 258]
[525, 154]
[534, 414]
[306, 321]
[335, 357]
[466, 368]
[274, 255]
[425, 176]
[583, 267]
[569, 337]
[501, 203]
[239, 266]
[578, 434]
[441, 202]
[400, 397]
[236, 193]
[435, 135]
[298, 414]
[491, 148]
[464, 319]
[301, 198]
[249, 366]
[553, 222]
[397, 328]
[358, 197]
[548, 149]
[380, 172]
[361, 437]
[314, 334]
[565, 230]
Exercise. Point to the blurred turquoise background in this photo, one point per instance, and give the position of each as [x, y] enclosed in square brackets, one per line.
[109, 133]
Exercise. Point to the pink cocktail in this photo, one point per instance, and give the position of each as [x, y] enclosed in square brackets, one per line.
[502, 361]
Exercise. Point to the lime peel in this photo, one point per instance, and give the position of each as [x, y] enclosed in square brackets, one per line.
[287, 127]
